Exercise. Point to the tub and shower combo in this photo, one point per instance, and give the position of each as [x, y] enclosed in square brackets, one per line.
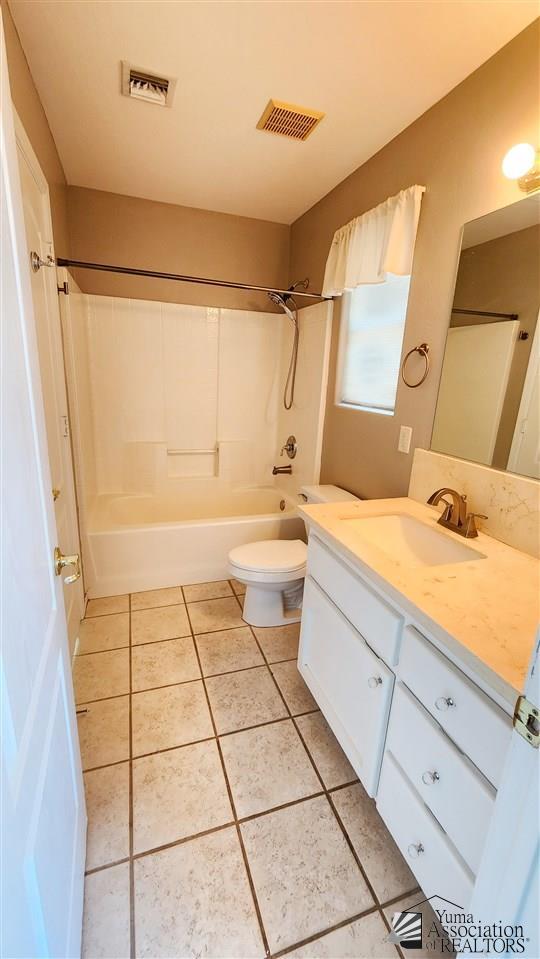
[179, 414]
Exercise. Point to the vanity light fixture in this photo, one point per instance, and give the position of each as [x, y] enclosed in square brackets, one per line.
[521, 163]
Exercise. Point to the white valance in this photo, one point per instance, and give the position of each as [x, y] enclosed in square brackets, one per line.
[380, 241]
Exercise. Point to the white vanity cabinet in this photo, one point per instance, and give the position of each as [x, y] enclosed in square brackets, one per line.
[424, 739]
[351, 684]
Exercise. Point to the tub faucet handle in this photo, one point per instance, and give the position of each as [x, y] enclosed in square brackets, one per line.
[290, 448]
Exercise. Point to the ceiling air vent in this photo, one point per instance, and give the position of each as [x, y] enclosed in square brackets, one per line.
[288, 120]
[143, 85]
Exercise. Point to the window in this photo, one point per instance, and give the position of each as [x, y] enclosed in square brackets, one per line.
[372, 327]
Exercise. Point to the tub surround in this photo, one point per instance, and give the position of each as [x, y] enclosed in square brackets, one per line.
[511, 502]
[461, 605]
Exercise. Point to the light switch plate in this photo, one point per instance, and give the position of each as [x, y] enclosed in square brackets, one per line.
[405, 437]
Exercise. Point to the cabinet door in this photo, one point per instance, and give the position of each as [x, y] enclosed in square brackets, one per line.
[352, 686]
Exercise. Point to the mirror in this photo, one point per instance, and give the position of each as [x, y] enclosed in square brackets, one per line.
[489, 398]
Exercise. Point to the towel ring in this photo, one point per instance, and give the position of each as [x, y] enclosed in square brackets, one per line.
[423, 349]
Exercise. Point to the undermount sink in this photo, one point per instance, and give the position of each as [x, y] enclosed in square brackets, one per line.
[407, 540]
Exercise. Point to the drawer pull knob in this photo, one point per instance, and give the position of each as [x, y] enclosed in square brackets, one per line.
[374, 681]
[415, 850]
[430, 777]
[443, 703]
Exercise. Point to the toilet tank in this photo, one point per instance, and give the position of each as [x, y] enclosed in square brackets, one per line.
[325, 494]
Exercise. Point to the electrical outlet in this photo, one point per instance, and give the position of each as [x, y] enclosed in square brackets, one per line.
[405, 436]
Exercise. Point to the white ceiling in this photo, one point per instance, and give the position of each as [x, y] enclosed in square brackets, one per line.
[373, 67]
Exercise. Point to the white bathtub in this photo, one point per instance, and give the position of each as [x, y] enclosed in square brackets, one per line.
[137, 542]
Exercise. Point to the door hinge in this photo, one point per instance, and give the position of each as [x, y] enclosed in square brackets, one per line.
[527, 721]
[64, 288]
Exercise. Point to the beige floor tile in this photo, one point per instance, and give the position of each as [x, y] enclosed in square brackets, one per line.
[293, 687]
[305, 875]
[178, 793]
[244, 699]
[267, 767]
[174, 716]
[104, 732]
[153, 625]
[363, 939]
[201, 591]
[163, 664]
[385, 867]
[329, 757]
[239, 588]
[103, 632]
[157, 597]
[279, 642]
[227, 650]
[101, 675]
[215, 614]
[194, 900]
[106, 921]
[107, 806]
[108, 604]
[433, 934]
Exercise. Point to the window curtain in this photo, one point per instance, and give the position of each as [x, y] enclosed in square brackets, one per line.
[379, 242]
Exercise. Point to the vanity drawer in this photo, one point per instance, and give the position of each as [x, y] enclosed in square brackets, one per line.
[352, 686]
[458, 795]
[475, 723]
[428, 851]
[379, 624]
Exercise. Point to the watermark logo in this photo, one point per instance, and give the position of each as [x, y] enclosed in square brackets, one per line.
[407, 930]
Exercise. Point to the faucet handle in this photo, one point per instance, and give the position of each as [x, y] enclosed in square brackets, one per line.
[470, 527]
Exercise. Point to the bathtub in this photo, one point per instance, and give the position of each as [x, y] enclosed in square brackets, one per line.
[133, 542]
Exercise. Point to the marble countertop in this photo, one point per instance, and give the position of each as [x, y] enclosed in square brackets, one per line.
[484, 611]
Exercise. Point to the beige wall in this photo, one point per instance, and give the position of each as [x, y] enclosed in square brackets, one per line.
[455, 150]
[28, 105]
[503, 275]
[126, 231]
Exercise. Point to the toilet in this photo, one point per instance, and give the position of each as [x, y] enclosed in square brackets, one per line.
[273, 570]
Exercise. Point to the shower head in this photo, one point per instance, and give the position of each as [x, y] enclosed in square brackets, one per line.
[282, 301]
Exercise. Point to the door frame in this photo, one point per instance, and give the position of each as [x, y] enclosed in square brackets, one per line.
[526, 395]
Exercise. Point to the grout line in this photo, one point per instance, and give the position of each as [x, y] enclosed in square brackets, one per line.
[105, 865]
[166, 639]
[131, 805]
[233, 807]
[320, 935]
[110, 649]
[326, 792]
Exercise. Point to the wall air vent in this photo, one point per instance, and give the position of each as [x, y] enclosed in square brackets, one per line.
[143, 85]
[288, 120]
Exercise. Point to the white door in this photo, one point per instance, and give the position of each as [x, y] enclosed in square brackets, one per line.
[525, 452]
[39, 239]
[507, 886]
[43, 819]
[474, 379]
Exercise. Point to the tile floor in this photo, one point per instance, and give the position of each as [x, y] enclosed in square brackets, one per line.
[224, 821]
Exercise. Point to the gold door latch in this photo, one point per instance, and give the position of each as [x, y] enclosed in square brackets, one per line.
[527, 721]
[60, 561]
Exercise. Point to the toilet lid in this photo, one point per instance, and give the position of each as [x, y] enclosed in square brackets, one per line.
[270, 555]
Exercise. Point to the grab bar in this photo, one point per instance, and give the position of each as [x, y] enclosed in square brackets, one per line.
[173, 452]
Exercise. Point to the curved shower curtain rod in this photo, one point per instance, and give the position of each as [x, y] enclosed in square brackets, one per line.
[131, 271]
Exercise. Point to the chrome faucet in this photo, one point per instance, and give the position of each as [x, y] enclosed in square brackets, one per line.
[281, 469]
[455, 515]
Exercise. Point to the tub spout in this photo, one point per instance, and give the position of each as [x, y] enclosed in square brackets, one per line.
[281, 469]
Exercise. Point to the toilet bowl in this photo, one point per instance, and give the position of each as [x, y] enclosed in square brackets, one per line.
[273, 570]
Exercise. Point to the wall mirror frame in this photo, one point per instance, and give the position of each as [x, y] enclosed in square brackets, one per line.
[488, 406]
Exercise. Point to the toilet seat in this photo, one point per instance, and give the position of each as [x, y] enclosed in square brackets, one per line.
[269, 561]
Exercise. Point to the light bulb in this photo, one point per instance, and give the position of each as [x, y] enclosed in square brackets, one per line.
[518, 161]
